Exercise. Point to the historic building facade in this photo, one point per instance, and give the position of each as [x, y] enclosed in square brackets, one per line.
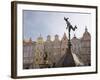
[86, 48]
[39, 53]
[56, 49]
[28, 54]
[64, 44]
[48, 52]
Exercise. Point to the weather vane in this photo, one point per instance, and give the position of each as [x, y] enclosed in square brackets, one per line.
[69, 27]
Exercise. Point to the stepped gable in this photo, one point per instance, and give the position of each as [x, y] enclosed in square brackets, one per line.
[64, 39]
[64, 44]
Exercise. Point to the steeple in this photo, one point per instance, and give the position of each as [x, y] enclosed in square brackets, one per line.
[86, 30]
[30, 40]
[74, 36]
[56, 37]
[86, 34]
[40, 35]
[40, 39]
[48, 37]
[64, 36]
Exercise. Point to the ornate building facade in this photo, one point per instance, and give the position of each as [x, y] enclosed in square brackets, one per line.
[56, 49]
[86, 48]
[39, 53]
[64, 44]
[49, 50]
[28, 54]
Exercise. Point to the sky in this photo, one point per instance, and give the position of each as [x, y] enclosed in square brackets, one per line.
[36, 23]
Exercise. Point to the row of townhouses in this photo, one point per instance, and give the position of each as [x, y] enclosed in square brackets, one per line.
[40, 53]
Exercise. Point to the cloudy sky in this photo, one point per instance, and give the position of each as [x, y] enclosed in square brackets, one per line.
[52, 23]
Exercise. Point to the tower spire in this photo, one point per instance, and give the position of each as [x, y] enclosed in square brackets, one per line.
[40, 34]
[30, 40]
[74, 36]
[86, 29]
